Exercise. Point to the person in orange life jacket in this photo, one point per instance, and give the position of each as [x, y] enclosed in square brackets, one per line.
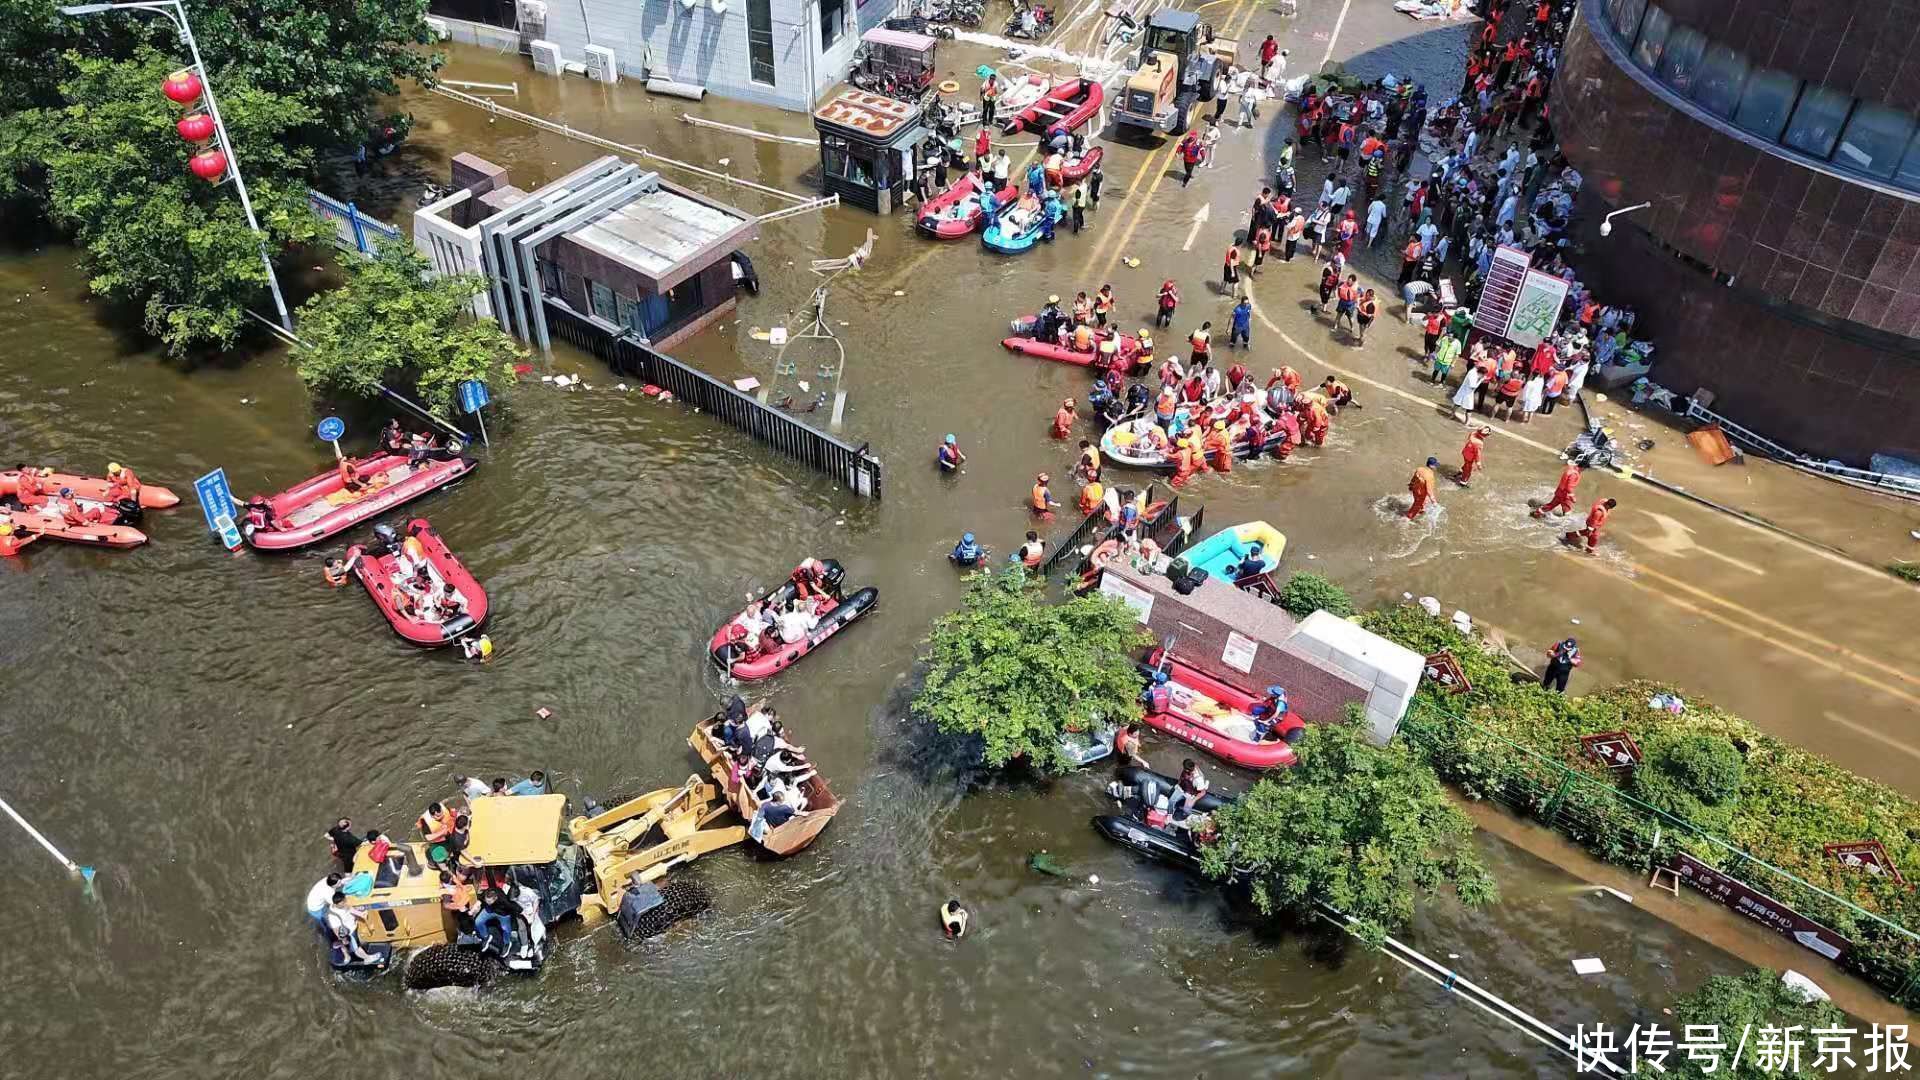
[1219, 447]
[1201, 342]
[449, 605]
[1562, 658]
[1337, 393]
[1190, 155]
[11, 541]
[347, 478]
[1470, 454]
[949, 455]
[1088, 465]
[121, 483]
[1126, 746]
[27, 486]
[1192, 785]
[1033, 552]
[1562, 500]
[1596, 517]
[436, 824]
[1366, 311]
[1329, 285]
[1063, 419]
[1230, 268]
[1556, 386]
[1186, 462]
[1102, 305]
[1507, 397]
[1164, 406]
[1315, 423]
[1421, 485]
[1041, 500]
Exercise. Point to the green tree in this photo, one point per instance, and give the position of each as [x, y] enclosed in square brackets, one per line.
[1307, 592]
[1693, 775]
[1020, 672]
[393, 323]
[1365, 829]
[157, 238]
[1748, 1003]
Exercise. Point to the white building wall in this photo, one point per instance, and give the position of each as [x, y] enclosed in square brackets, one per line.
[450, 248]
[697, 45]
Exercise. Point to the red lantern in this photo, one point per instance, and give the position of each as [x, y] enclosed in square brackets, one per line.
[208, 164]
[182, 86]
[195, 127]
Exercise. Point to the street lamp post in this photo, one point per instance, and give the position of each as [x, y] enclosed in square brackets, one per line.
[177, 15]
[1606, 223]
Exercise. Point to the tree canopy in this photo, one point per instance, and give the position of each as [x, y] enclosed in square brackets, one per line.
[393, 324]
[1751, 1004]
[1020, 672]
[1365, 829]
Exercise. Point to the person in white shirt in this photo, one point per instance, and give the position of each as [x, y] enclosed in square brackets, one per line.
[471, 788]
[795, 625]
[320, 895]
[343, 923]
[1376, 217]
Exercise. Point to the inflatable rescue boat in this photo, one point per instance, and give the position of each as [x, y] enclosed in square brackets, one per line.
[1068, 105]
[1142, 823]
[956, 212]
[106, 533]
[1216, 717]
[152, 496]
[728, 647]
[390, 569]
[1023, 341]
[324, 505]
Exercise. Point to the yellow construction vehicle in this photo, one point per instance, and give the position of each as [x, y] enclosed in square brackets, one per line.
[610, 863]
[1179, 62]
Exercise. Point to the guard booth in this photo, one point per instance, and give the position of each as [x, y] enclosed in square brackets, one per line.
[867, 146]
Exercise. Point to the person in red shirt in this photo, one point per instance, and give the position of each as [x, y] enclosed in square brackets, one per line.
[1562, 500]
[1596, 518]
[1421, 485]
[1169, 300]
[1470, 454]
[1436, 324]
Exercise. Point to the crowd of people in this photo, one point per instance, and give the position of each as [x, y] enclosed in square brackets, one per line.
[786, 616]
[36, 498]
[762, 762]
[479, 898]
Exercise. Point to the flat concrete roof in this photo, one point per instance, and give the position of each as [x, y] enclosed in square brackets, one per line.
[661, 231]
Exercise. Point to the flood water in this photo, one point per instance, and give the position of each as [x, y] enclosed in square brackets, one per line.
[189, 721]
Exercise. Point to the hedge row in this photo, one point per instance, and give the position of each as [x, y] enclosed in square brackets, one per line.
[1789, 802]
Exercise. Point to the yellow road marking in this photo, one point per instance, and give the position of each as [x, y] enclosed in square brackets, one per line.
[1871, 734]
[1743, 628]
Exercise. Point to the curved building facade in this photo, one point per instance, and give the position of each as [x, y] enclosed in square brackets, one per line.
[1778, 143]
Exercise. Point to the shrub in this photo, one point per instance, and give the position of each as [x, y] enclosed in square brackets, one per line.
[1905, 571]
[1516, 742]
[1736, 1004]
[1307, 592]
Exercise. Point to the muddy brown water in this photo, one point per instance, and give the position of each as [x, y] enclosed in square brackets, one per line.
[189, 720]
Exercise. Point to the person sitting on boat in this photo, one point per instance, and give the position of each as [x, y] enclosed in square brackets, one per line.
[122, 484]
[1192, 785]
[1250, 564]
[809, 579]
[348, 479]
[459, 897]
[1157, 697]
[967, 553]
[1268, 714]
[449, 606]
[26, 486]
[797, 622]
[418, 450]
[259, 513]
[1126, 746]
[392, 439]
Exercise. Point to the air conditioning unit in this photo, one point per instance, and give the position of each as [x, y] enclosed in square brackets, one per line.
[437, 28]
[533, 11]
[546, 57]
[600, 64]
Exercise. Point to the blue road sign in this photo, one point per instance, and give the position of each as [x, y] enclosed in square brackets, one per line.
[331, 428]
[216, 503]
[473, 396]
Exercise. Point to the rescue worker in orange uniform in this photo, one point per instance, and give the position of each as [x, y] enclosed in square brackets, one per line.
[121, 483]
[1316, 423]
[1596, 518]
[1092, 497]
[1470, 454]
[1421, 485]
[1088, 467]
[27, 486]
[1063, 420]
[1187, 462]
[1219, 447]
[11, 542]
[1285, 435]
[1040, 500]
[1562, 500]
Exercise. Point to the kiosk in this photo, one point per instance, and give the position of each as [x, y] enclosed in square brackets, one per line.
[867, 146]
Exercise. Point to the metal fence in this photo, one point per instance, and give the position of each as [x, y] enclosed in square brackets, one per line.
[1162, 529]
[352, 230]
[1622, 829]
[850, 465]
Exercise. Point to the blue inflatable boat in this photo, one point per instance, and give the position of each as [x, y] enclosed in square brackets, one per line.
[1226, 549]
[996, 238]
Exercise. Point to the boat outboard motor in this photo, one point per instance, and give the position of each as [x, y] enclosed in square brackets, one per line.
[833, 576]
[385, 540]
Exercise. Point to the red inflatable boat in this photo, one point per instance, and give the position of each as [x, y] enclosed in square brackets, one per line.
[1068, 105]
[956, 211]
[1052, 350]
[1214, 716]
[107, 533]
[1074, 169]
[324, 506]
[152, 496]
[728, 648]
[389, 568]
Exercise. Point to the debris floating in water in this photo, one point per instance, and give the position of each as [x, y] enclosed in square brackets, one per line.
[543, 713]
[1046, 864]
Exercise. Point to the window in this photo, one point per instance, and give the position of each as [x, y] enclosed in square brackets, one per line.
[629, 313]
[550, 280]
[603, 301]
[1766, 101]
[1680, 64]
[1626, 17]
[833, 22]
[1874, 140]
[1908, 175]
[839, 163]
[1817, 121]
[1723, 74]
[1653, 38]
[760, 41]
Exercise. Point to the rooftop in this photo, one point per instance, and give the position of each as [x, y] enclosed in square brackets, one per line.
[661, 229]
[874, 115]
